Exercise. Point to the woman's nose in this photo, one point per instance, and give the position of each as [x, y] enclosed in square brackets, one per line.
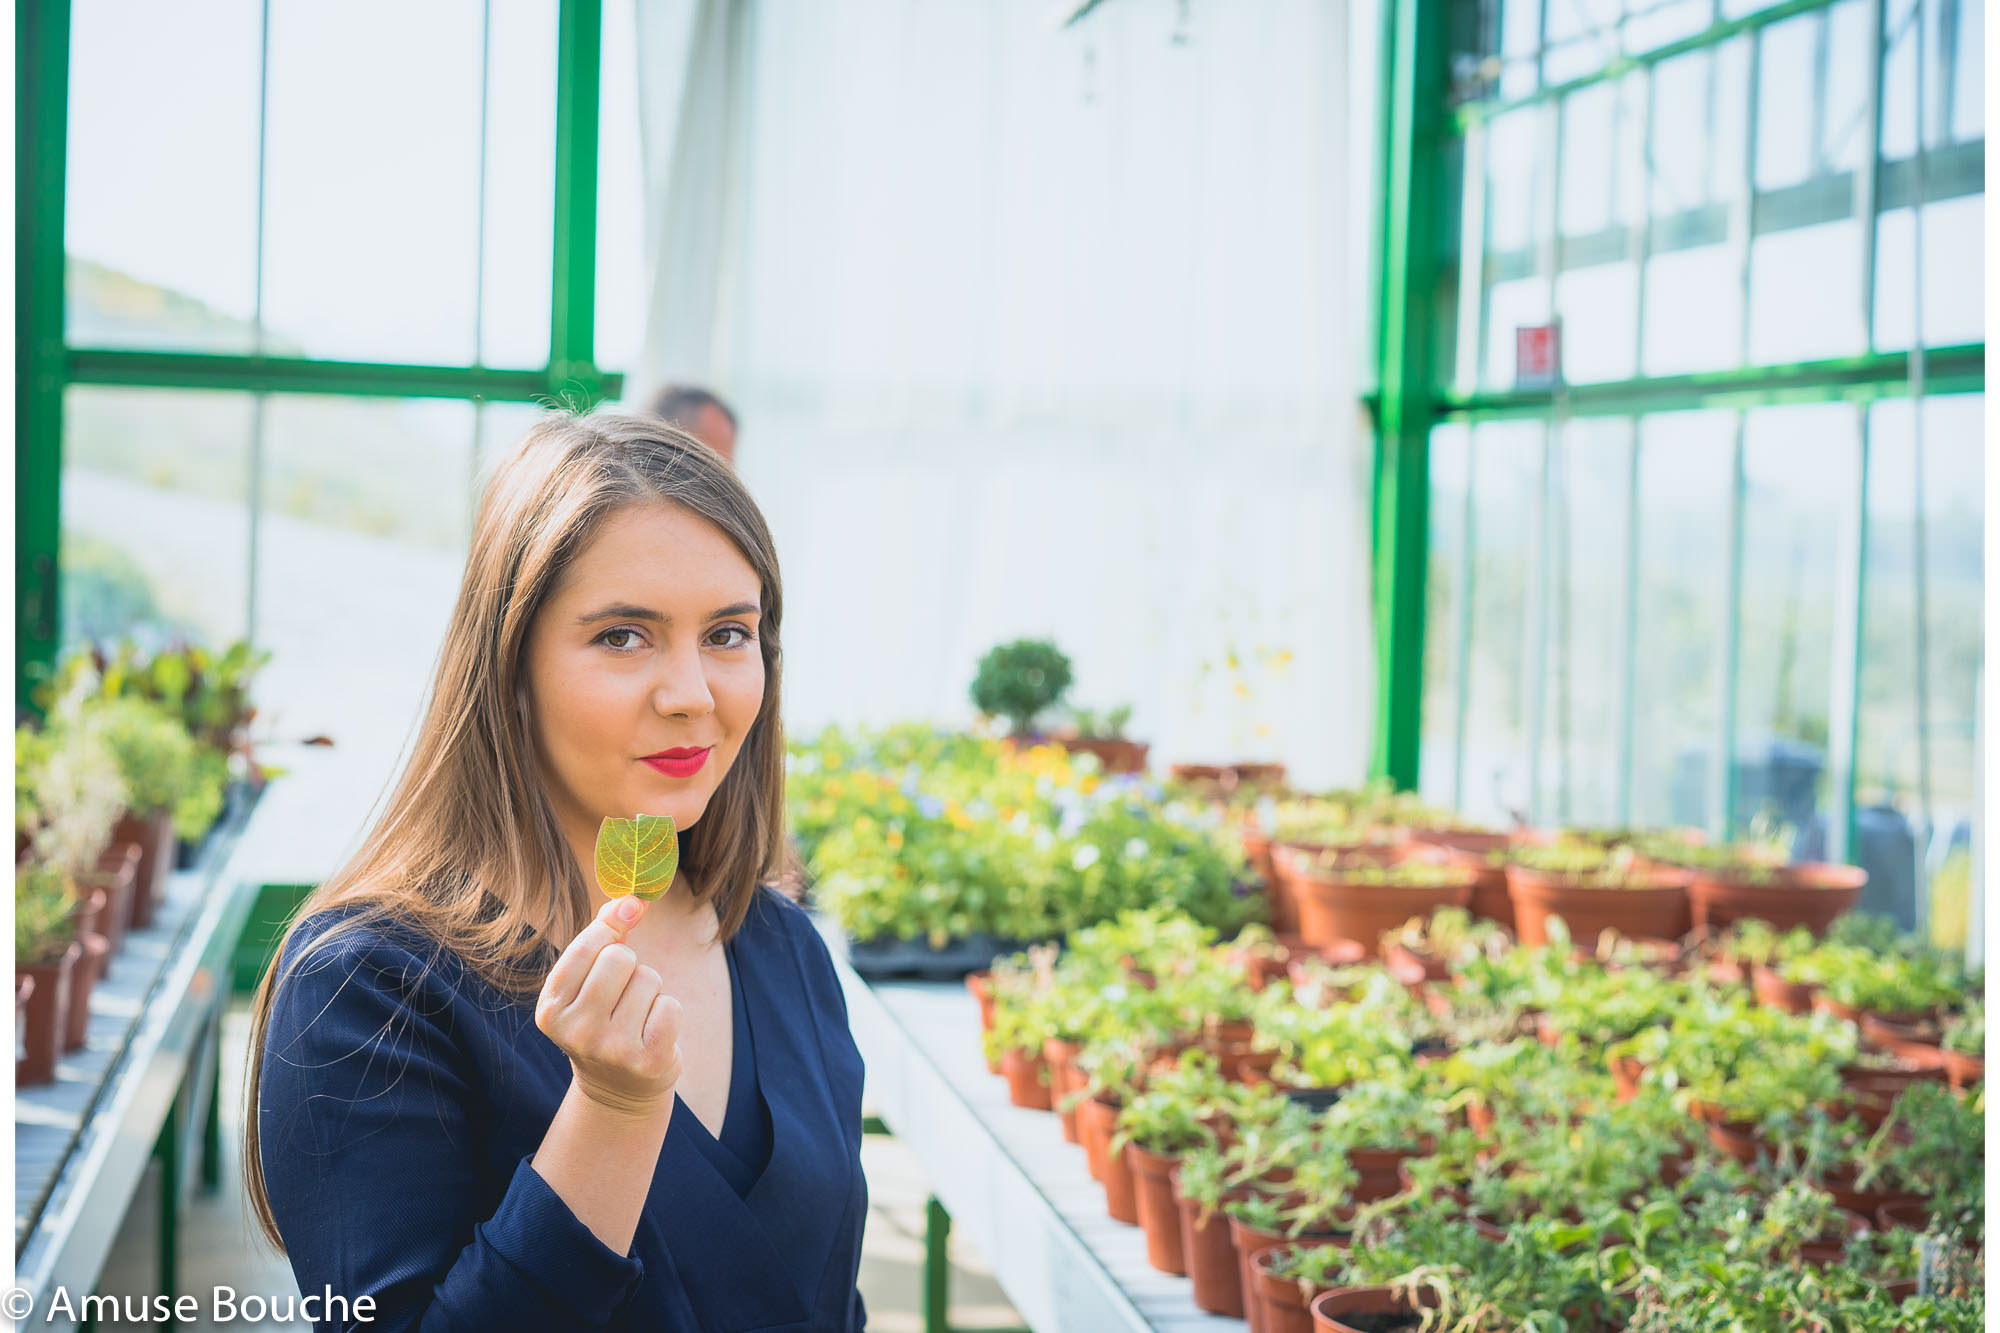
[682, 689]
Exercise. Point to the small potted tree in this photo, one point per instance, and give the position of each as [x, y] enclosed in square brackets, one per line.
[1019, 681]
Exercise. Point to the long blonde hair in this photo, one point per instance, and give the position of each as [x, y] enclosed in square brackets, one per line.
[468, 846]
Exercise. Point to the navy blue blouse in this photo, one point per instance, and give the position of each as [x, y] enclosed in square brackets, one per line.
[402, 1097]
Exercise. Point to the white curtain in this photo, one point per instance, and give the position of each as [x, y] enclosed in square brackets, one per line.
[1034, 331]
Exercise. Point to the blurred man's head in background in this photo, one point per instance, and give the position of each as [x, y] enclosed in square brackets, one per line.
[701, 414]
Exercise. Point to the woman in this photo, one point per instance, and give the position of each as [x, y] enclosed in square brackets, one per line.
[488, 1096]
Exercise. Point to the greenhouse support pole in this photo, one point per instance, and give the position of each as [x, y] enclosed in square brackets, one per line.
[573, 372]
[1412, 227]
[41, 127]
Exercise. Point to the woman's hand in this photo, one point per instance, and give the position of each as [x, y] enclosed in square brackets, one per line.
[608, 1013]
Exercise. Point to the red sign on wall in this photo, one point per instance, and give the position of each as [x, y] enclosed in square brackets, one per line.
[1538, 356]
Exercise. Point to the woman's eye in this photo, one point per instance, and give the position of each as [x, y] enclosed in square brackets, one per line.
[744, 636]
[606, 637]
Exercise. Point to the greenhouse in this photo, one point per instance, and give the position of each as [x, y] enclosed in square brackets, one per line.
[1313, 666]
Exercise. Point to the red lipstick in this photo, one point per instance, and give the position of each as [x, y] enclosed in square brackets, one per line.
[682, 762]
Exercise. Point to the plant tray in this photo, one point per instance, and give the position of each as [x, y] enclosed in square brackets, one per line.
[888, 956]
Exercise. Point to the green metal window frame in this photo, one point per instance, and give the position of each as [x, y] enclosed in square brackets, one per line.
[1415, 394]
[45, 365]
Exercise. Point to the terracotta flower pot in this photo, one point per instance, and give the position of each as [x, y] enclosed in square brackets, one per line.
[1027, 1079]
[1913, 1214]
[1773, 991]
[1277, 888]
[1094, 1117]
[1063, 1080]
[48, 1015]
[117, 874]
[1964, 1070]
[154, 832]
[1378, 1171]
[1809, 894]
[1329, 1307]
[1097, 1118]
[1840, 1184]
[24, 987]
[1115, 753]
[1332, 909]
[1738, 1138]
[1489, 888]
[1917, 1041]
[1829, 1246]
[1909, 1068]
[1286, 1302]
[1822, 1003]
[1626, 1073]
[1153, 1191]
[1208, 1255]
[88, 968]
[1657, 908]
[1252, 1242]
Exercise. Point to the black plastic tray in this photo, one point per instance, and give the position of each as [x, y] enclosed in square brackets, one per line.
[888, 956]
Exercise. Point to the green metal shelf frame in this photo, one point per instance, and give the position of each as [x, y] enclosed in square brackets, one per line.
[1414, 392]
[45, 366]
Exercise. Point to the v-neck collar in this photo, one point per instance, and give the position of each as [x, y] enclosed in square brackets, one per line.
[744, 1100]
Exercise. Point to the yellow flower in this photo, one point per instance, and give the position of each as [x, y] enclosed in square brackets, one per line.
[895, 839]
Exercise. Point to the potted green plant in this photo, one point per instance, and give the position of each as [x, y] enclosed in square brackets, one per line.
[1361, 894]
[1103, 735]
[1964, 1046]
[1154, 1129]
[46, 949]
[1019, 681]
[1594, 890]
[1728, 882]
[158, 760]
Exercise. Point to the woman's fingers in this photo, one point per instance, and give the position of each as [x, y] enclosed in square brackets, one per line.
[606, 982]
[628, 1016]
[566, 978]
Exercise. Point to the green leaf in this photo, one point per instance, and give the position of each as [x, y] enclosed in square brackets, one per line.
[637, 855]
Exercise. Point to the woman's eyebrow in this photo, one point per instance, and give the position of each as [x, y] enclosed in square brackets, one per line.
[626, 611]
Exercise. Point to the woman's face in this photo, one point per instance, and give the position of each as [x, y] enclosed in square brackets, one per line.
[644, 671]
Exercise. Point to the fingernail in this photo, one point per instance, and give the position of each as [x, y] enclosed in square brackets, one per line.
[628, 911]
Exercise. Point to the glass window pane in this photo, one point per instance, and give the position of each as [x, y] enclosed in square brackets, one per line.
[1517, 170]
[155, 515]
[1584, 680]
[360, 551]
[1805, 293]
[1520, 37]
[1506, 490]
[520, 185]
[1686, 462]
[1954, 274]
[1785, 95]
[621, 210]
[1445, 596]
[161, 207]
[1693, 287]
[1968, 101]
[1844, 127]
[1930, 502]
[1801, 471]
[1600, 316]
[1654, 23]
[372, 199]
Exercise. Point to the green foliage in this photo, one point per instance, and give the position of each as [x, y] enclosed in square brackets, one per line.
[1019, 680]
[44, 914]
[155, 754]
[918, 835]
[1107, 725]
